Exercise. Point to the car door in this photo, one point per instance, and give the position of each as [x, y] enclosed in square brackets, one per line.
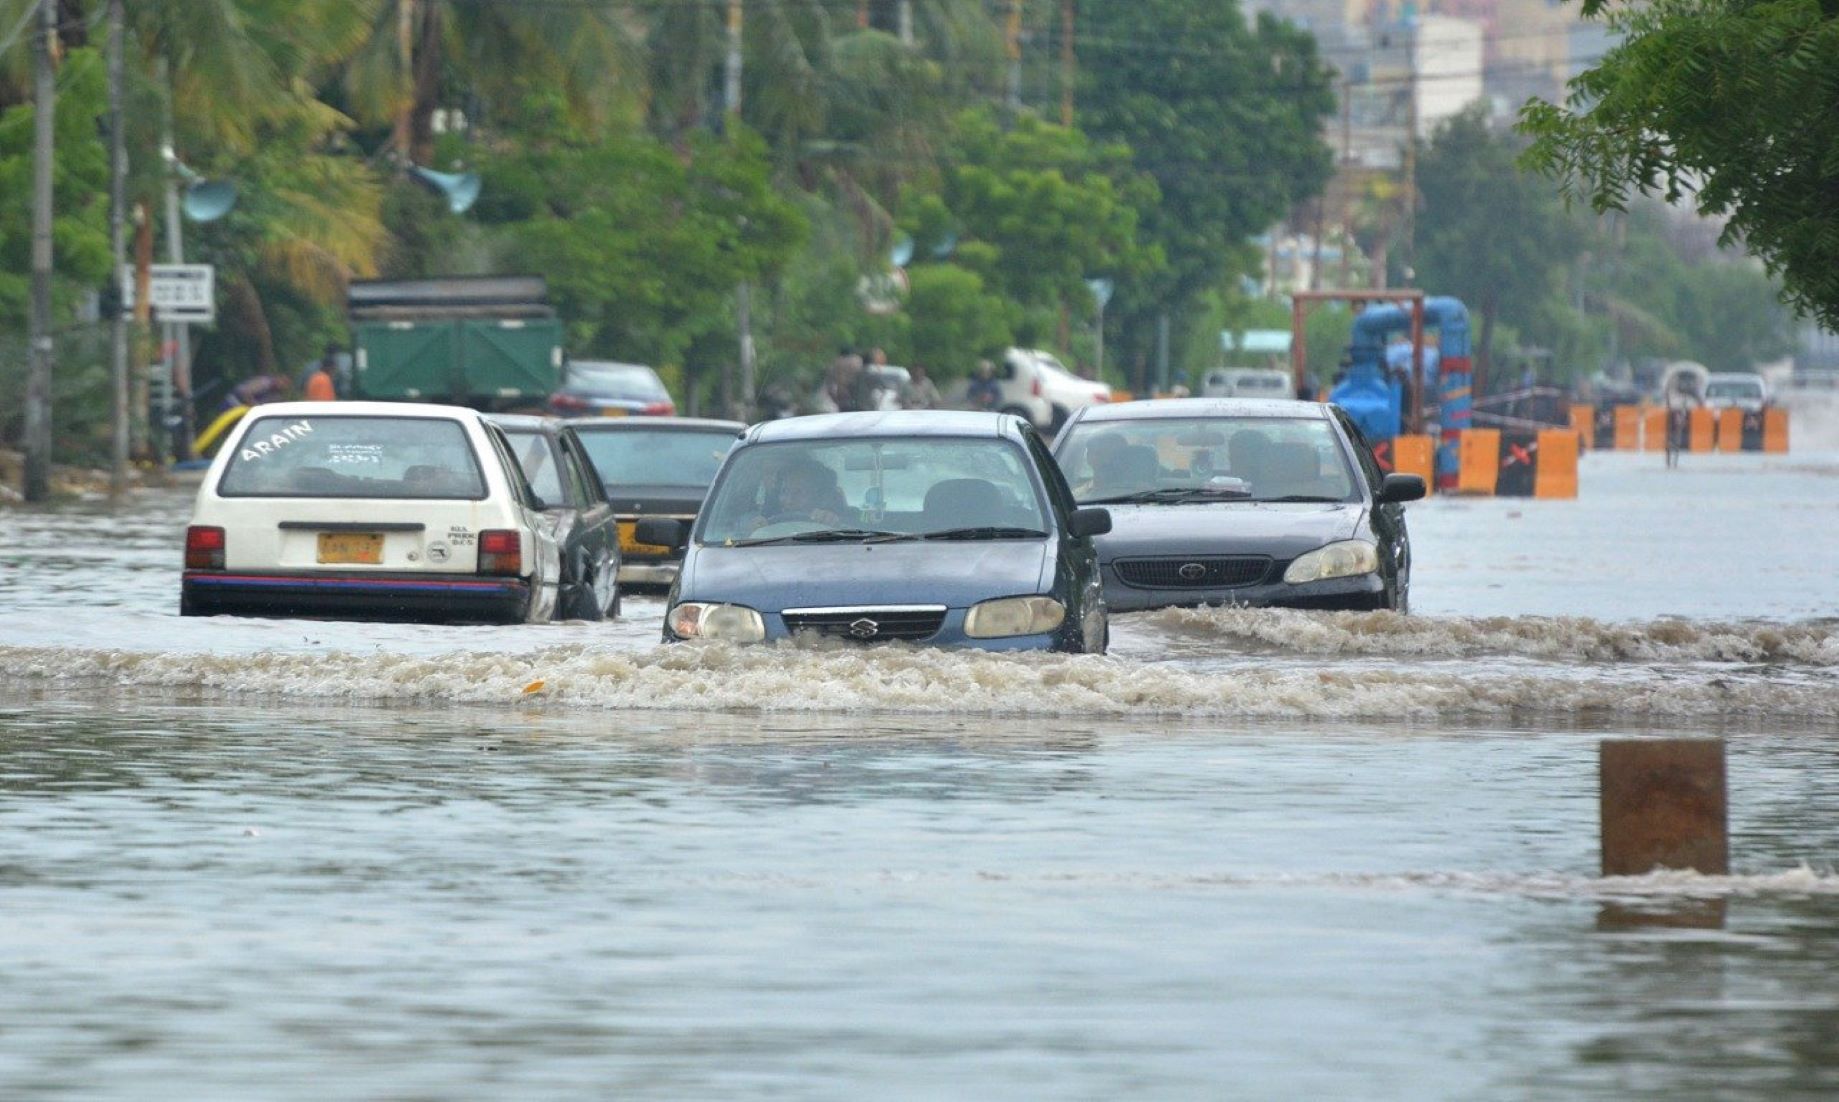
[598, 531]
[1085, 585]
[546, 569]
[1387, 520]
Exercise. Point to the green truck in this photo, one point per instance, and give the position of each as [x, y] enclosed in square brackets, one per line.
[488, 342]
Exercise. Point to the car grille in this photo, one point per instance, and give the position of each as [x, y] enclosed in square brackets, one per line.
[867, 625]
[1218, 572]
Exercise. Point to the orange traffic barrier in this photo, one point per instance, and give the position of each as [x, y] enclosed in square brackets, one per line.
[1775, 430]
[1479, 461]
[1701, 426]
[1730, 429]
[1555, 474]
[1628, 428]
[1583, 423]
[1415, 454]
[1654, 430]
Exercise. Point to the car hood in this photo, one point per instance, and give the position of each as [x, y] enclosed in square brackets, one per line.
[956, 574]
[1228, 528]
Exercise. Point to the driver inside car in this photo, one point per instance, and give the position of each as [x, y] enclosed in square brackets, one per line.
[804, 490]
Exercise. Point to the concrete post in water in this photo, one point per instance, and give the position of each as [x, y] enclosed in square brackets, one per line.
[1663, 806]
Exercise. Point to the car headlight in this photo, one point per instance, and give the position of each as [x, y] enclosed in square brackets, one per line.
[1008, 616]
[722, 623]
[1344, 559]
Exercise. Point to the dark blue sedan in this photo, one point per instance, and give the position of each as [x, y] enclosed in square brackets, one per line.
[918, 526]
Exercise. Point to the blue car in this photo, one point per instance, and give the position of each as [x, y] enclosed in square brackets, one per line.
[919, 526]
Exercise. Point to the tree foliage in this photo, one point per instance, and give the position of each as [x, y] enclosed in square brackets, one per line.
[1498, 234]
[1730, 102]
[1227, 117]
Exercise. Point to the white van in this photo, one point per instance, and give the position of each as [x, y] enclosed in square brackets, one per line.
[1247, 382]
[368, 509]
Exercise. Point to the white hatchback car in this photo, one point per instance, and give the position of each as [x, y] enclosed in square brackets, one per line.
[1038, 388]
[368, 509]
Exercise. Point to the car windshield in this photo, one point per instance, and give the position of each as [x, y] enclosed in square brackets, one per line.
[1178, 459]
[665, 457]
[349, 456]
[537, 456]
[1733, 388]
[892, 488]
[608, 380]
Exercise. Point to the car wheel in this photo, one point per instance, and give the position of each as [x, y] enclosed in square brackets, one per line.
[1061, 413]
[186, 608]
[575, 598]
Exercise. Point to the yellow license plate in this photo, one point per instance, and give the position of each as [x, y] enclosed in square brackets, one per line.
[351, 547]
[628, 541]
[613, 411]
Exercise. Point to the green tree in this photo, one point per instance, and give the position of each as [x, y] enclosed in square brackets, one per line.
[1489, 232]
[1730, 102]
[1036, 209]
[1227, 117]
[641, 247]
[956, 320]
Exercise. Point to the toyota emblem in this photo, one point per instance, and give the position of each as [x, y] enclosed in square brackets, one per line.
[1192, 571]
[864, 628]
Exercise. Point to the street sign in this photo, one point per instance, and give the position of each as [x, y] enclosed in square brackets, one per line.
[177, 292]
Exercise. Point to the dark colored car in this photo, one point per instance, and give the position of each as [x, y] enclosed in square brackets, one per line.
[569, 491]
[922, 526]
[607, 388]
[1240, 501]
[655, 467]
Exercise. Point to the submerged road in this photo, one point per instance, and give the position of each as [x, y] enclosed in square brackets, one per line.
[1249, 854]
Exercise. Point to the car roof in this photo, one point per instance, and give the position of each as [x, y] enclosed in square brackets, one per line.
[908, 422]
[1152, 408]
[362, 409]
[668, 424]
[525, 422]
[606, 365]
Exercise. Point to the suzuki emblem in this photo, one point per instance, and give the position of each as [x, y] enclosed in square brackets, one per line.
[864, 628]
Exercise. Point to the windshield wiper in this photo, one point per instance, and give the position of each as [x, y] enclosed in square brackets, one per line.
[986, 532]
[1303, 498]
[1173, 494]
[827, 535]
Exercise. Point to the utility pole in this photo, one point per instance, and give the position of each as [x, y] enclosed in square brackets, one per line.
[743, 292]
[1012, 48]
[1411, 168]
[1347, 180]
[1068, 62]
[405, 58]
[179, 335]
[903, 15]
[38, 382]
[118, 256]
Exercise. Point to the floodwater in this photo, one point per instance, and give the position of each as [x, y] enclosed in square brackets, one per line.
[1249, 854]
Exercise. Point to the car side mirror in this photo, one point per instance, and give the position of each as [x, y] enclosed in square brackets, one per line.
[662, 532]
[1401, 487]
[1089, 522]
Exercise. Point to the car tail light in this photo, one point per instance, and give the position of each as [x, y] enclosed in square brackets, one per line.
[1036, 388]
[500, 552]
[1103, 396]
[566, 403]
[203, 548]
[659, 409]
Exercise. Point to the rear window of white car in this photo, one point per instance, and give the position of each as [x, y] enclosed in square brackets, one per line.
[345, 456]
